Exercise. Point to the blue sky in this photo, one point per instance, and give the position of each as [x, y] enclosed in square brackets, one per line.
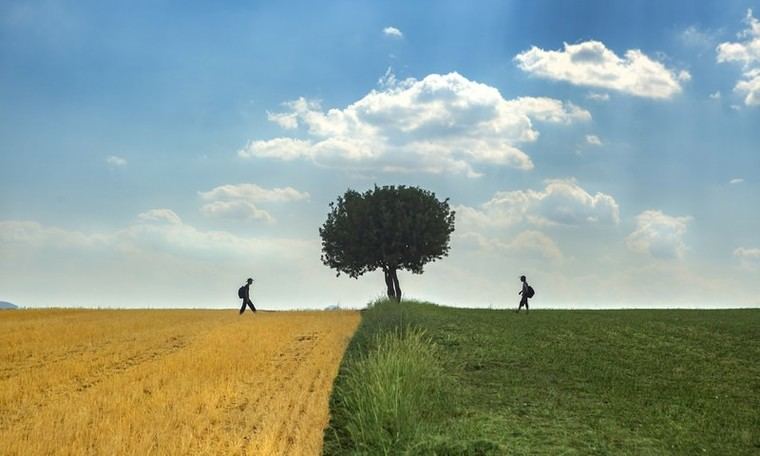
[158, 153]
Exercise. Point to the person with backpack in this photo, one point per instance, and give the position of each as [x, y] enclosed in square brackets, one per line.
[245, 295]
[526, 292]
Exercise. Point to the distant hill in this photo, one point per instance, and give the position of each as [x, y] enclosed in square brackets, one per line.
[7, 305]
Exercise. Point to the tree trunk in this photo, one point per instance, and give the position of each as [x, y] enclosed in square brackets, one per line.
[397, 288]
[389, 284]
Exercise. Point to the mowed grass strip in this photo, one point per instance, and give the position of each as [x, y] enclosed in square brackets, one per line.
[167, 381]
[568, 382]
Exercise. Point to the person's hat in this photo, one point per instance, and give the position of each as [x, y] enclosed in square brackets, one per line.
[249, 280]
[522, 277]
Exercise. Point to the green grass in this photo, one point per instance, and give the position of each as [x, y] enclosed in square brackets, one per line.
[551, 382]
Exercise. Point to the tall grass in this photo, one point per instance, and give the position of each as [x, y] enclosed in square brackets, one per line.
[389, 394]
[392, 392]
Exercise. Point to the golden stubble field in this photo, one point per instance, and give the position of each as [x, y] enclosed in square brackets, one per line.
[107, 382]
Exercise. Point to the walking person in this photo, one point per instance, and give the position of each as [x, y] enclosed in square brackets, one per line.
[244, 293]
[526, 292]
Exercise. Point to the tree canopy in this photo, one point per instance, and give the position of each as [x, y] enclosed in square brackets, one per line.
[388, 228]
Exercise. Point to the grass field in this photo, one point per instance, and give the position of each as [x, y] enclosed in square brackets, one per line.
[105, 382]
[636, 382]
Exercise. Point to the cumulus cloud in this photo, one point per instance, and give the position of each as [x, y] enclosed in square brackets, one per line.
[736, 180]
[392, 32]
[593, 140]
[750, 86]
[748, 257]
[562, 202]
[280, 148]
[442, 123]
[242, 210]
[592, 64]
[240, 201]
[746, 52]
[254, 193]
[715, 96]
[116, 161]
[659, 235]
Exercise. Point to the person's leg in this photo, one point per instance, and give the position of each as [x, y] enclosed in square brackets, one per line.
[242, 308]
[250, 304]
[527, 309]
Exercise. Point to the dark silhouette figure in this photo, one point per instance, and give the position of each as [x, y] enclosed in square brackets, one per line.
[245, 294]
[525, 295]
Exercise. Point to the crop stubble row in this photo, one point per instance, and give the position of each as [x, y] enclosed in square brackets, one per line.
[167, 381]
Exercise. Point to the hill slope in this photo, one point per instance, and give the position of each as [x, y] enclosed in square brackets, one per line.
[556, 382]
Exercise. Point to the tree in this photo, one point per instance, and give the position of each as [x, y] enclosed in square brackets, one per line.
[388, 228]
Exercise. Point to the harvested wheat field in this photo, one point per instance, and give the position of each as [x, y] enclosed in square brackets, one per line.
[167, 381]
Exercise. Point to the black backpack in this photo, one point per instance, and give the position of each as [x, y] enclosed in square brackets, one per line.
[241, 292]
[530, 292]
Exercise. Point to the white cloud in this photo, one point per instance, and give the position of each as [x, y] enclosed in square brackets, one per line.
[591, 64]
[289, 119]
[715, 96]
[242, 210]
[529, 243]
[562, 202]
[746, 52]
[751, 87]
[160, 215]
[392, 32]
[736, 180]
[593, 140]
[548, 110]
[116, 162]
[280, 148]
[659, 235]
[254, 194]
[240, 201]
[598, 96]
[442, 123]
[748, 257]
[285, 120]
